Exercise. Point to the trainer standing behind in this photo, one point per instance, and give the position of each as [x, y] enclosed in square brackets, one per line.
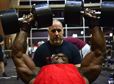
[56, 45]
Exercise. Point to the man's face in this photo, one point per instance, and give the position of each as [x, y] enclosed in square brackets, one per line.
[59, 58]
[56, 33]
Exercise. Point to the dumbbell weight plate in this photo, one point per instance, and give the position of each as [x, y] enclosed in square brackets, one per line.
[9, 20]
[72, 13]
[43, 15]
[107, 13]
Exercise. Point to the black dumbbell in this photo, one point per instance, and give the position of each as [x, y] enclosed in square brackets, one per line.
[10, 20]
[74, 8]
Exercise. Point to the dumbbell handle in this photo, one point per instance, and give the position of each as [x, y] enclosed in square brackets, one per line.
[98, 12]
[20, 19]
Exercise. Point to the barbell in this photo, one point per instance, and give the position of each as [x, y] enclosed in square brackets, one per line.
[43, 15]
[74, 8]
[10, 19]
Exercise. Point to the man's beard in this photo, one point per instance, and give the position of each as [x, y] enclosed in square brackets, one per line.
[57, 42]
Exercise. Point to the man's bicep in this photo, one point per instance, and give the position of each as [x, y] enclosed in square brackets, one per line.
[18, 59]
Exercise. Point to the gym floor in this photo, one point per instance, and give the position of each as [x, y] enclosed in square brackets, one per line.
[12, 76]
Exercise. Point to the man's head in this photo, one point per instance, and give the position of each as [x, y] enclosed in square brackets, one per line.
[56, 33]
[59, 58]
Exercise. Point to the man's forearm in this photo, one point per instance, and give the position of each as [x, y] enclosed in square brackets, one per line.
[98, 39]
[91, 65]
[20, 42]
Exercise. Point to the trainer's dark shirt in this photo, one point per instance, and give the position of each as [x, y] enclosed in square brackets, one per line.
[45, 51]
